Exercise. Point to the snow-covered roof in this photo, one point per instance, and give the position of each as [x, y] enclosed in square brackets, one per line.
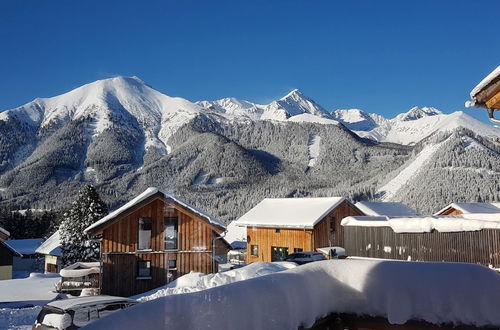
[65, 304]
[473, 208]
[289, 212]
[4, 231]
[25, 246]
[236, 236]
[385, 208]
[51, 246]
[4, 243]
[494, 75]
[79, 269]
[145, 195]
[470, 222]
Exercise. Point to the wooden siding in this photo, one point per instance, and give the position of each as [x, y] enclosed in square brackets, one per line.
[120, 254]
[482, 247]
[307, 240]
[324, 236]
[494, 101]
[266, 238]
[451, 211]
[3, 236]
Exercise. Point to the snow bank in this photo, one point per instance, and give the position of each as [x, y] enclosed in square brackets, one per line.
[194, 282]
[79, 269]
[398, 290]
[472, 222]
[37, 289]
[18, 318]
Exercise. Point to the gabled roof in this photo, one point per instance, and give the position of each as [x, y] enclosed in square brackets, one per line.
[14, 252]
[52, 246]
[147, 194]
[490, 79]
[24, 246]
[424, 224]
[472, 208]
[302, 213]
[385, 208]
[4, 231]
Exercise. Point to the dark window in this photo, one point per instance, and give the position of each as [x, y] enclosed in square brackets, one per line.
[278, 253]
[170, 234]
[277, 231]
[333, 224]
[297, 250]
[172, 264]
[144, 234]
[143, 268]
[254, 251]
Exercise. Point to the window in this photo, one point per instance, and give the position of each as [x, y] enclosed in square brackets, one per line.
[172, 264]
[333, 224]
[254, 250]
[143, 268]
[277, 231]
[170, 226]
[144, 234]
[297, 250]
[278, 253]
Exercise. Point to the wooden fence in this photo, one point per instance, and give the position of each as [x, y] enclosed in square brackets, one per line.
[480, 247]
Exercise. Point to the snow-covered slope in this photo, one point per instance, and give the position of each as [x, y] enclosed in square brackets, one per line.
[412, 126]
[109, 102]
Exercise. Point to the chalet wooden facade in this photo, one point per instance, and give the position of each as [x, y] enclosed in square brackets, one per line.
[277, 227]
[469, 208]
[438, 238]
[152, 240]
[487, 94]
[7, 255]
[52, 252]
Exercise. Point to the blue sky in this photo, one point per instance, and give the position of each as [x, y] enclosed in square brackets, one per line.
[380, 56]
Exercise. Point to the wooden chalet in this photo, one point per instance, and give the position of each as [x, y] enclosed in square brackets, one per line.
[472, 238]
[469, 208]
[487, 94]
[152, 240]
[277, 227]
[7, 255]
[51, 249]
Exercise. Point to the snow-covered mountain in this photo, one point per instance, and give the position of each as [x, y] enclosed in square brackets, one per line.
[294, 106]
[410, 127]
[226, 155]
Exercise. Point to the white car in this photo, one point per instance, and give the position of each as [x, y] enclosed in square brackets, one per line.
[74, 313]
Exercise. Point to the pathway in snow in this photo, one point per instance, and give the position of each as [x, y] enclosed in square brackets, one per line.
[389, 189]
[313, 144]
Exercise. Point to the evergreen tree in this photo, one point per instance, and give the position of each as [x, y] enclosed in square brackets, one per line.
[87, 209]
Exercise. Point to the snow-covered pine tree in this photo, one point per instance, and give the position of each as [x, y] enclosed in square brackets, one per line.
[87, 209]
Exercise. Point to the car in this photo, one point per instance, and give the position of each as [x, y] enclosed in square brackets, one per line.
[305, 257]
[74, 313]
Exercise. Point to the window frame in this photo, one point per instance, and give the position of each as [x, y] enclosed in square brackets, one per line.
[139, 233]
[138, 275]
[333, 224]
[176, 228]
[252, 247]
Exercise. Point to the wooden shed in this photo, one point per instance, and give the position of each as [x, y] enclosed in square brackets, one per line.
[7, 255]
[469, 208]
[487, 94]
[52, 251]
[153, 239]
[472, 238]
[277, 227]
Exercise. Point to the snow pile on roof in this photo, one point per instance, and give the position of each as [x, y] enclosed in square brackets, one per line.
[37, 289]
[289, 212]
[435, 292]
[473, 207]
[79, 269]
[194, 282]
[25, 246]
[456, 223]
[4, 231]
[485, 82]
[236, 236]
[52, 246]
[385, 208]
[148, 193]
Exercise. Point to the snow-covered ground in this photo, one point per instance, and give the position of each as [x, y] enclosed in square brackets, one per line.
[37, 289]
[435, 292]
[18, 318]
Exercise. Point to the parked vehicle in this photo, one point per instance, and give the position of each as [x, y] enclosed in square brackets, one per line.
[305, 257]
[74, 313]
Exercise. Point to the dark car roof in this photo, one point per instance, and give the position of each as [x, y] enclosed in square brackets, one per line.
[66, 304]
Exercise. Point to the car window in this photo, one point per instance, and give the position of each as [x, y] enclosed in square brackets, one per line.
[85, 315]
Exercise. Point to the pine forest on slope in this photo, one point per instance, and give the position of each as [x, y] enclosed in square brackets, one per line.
[226, 155]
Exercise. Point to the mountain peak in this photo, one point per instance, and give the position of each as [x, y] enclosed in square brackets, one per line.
[295, 94]
[417, 113]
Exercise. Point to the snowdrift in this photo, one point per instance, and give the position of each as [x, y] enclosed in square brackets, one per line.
[435, 292]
